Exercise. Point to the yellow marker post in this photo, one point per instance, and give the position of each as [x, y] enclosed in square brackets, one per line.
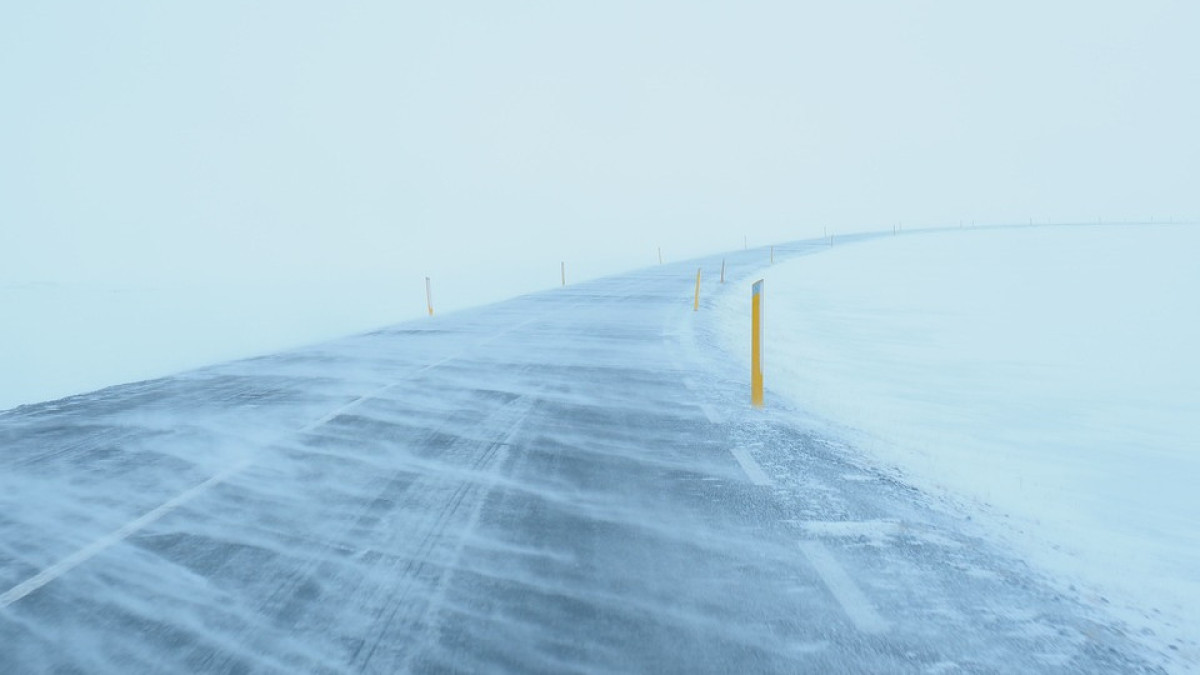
[696, 302]
[756, 341]
[428, 297]
[722, 270]
[564, 273]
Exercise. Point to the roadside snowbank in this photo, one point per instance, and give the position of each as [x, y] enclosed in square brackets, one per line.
[1048, 376]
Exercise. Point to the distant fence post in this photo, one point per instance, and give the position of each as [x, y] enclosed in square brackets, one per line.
[564, 273]
[696, 302]
[772, 255]
[756, 341]
[722, 270]
[428, 296]
[659, 255]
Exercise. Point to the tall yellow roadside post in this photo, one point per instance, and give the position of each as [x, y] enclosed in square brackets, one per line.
[696, 302]
[756, 341]
[428, 297]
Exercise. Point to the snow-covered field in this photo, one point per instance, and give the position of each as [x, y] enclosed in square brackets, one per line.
[59, 339]
[1046, 378]
[63, 339]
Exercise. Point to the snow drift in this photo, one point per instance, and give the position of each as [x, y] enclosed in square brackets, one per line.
[1045, 376]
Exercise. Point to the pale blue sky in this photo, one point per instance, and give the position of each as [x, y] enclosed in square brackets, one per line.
[285, 139]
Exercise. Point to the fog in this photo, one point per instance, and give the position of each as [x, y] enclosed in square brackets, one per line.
[484, 143]
[551, 483]
[567, 482]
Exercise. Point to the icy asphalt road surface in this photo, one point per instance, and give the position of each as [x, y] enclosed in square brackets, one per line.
[566, 482]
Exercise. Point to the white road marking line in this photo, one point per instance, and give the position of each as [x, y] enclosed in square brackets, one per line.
[87, 552]
[120, 534]
[844, 590]
[753, 471]
[711, 413]
[349, 406]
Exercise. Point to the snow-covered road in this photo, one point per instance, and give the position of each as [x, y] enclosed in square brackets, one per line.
[570, 481]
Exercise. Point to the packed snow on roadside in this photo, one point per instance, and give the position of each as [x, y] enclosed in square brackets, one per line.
[1046, 378]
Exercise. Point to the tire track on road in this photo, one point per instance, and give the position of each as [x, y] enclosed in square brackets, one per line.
[401, 609]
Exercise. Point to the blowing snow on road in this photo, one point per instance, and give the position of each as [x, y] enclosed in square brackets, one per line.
[567, 481]
[1045, 377]
[402, 337]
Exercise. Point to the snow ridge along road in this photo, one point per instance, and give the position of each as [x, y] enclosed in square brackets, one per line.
[567, 481]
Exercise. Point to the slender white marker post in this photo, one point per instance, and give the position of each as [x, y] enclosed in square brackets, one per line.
[428, 296]
[722, 270]
[744, 244]
[659, 255]
[564, 273]
[772, 255]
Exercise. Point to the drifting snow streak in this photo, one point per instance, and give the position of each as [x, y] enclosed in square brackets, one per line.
[86, 553]
[549, 498]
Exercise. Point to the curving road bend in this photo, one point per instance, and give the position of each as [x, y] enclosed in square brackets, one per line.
[570, 481]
